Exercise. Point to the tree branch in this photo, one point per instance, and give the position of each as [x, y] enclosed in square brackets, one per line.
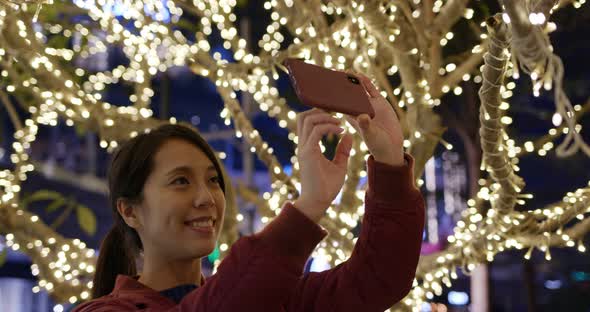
[11, 110]
[457, 75]
[449, 15]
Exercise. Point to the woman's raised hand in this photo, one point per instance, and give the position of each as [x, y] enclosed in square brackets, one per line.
[321, 178]
[382, 134]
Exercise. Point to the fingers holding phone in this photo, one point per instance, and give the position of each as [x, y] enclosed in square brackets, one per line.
[368, 85]
[314, 124]
[321, 178]
[354, 95]
[383, 133]
[314, 117]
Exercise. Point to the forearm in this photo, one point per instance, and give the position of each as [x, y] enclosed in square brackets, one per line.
[394, 157]
[269, 262]
[315, 211]
[291, 236]
[310, 209]
[386, 254]
[382, 266]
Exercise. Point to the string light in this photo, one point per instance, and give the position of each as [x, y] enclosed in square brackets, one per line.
[64, 267]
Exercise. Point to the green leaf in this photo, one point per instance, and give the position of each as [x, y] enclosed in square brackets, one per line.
[3, 255]
[55, 204]
[86, 219]
[54, 13]
[81, 129]
[241, 3]
[185, 24]
[40, 195]
[57, 42]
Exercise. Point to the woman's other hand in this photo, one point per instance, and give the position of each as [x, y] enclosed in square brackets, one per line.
[382, 134]
[321, 178]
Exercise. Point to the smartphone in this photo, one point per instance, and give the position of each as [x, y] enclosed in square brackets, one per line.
[330, 90]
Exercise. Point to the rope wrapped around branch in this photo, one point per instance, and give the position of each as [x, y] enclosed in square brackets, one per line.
[532, 49]
[495, 155]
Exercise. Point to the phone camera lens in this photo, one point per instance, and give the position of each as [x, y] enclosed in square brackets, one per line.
[353, 80]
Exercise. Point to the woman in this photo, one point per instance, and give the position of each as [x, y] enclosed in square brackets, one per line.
[167, 195]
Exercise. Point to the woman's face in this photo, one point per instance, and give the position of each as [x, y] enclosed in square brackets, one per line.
[183, 203]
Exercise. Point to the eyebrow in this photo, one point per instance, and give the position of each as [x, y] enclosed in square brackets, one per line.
[188, 169]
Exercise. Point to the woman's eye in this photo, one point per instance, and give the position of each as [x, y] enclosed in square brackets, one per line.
[216, 179]
[180, 180]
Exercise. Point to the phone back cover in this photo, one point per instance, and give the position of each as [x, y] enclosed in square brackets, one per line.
[331, 90]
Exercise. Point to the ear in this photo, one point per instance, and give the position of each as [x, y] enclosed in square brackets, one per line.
[128, 212]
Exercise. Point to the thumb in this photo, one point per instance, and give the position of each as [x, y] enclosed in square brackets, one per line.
[353, 122]
[364, 122]
[343, 151]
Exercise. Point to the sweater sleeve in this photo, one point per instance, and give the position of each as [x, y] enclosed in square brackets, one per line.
[261, 270]
[381, 269]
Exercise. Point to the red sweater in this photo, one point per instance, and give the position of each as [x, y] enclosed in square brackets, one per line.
[263, 272]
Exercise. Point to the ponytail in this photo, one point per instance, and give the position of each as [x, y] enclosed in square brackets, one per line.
[115, 257]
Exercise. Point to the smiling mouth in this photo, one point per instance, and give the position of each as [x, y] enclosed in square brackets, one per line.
[205, 226]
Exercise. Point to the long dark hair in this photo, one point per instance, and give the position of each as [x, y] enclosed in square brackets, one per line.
[130, 167]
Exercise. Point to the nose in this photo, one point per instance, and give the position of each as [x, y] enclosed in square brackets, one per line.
[203, 197]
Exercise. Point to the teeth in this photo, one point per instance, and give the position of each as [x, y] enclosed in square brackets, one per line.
[208, 223]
